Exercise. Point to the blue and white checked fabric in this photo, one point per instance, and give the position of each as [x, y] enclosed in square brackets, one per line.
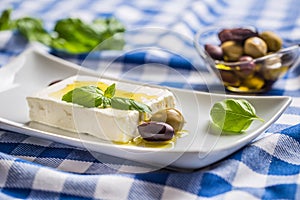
[268, 168]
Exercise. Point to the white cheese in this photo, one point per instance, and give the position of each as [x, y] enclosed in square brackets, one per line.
[46, 107]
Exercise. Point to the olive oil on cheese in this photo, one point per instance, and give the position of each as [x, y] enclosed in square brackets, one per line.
[119, 93]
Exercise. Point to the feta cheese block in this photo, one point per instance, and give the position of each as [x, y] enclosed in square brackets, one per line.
[110, 124]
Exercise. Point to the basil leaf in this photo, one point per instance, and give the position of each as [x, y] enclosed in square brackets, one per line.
[92, 96]
[128, 104]
[106, 102]
[5, 22]
[233, 115]
[139, 106]
[73, 32]
[70, 34]
[110, 91]
[33, 30]
[87, 96]
[120, 103]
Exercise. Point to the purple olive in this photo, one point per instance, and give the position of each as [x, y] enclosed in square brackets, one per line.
[247, 69]
[214, 51]
[245, 59]
[236, 34]
[229, 78]
[156, 131]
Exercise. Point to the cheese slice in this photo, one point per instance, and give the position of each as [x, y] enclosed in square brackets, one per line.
[46, 107]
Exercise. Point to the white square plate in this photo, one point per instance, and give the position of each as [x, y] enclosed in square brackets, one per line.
[33, 70]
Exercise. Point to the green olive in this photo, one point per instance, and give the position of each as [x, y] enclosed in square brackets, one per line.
[232, 50]
[170, 116]
[274, 42]
[255, 47]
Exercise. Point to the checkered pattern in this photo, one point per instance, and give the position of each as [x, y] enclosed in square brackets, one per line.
[268, 168]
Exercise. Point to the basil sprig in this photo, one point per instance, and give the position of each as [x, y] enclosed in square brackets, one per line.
[233, 115]
[92, 96]
[71, 35]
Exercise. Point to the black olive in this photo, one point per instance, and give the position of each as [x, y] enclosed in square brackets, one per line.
[156, 131]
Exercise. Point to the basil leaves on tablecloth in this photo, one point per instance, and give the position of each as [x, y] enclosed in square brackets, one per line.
[233, 115]
[70, 34]
[5, 22]
[92, 96]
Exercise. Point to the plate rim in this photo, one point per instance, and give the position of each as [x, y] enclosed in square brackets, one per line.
[10, 125]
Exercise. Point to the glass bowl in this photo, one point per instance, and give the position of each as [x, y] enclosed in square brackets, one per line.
[250, 76]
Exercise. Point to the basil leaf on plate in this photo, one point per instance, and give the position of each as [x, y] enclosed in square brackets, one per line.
[233, 115]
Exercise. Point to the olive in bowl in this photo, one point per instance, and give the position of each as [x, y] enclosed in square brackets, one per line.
[245, 59]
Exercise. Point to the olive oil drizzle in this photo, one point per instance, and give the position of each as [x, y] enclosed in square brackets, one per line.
[140, 142]
[119, 93]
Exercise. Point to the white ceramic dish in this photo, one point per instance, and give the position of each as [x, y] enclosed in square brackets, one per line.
[33, 70]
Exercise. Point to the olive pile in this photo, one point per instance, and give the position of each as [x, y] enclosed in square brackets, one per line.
[240, 42]
[236, 59]
[162, 126]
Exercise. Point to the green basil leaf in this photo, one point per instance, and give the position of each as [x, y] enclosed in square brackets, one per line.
[128, 104]
[70, 34]
[110, 91]
[233, 115]
[88, 36]
[5, 21]
[106, 102]
[75, 30]
[87, 96]
[71, 47]
[92, 96]
[120, 103]
[114, 25]
[140, 106]
[33, 30]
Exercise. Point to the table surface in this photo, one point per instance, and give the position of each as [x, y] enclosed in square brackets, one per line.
[267, 168]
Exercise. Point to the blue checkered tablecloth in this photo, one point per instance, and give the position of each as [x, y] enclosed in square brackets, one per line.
[267, 168]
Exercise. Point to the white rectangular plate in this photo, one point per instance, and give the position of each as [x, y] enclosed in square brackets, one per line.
[33, 70]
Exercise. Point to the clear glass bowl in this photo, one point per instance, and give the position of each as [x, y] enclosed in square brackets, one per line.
[255, 76]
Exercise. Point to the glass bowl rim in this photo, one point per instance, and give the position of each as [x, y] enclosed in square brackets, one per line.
[203, 53]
